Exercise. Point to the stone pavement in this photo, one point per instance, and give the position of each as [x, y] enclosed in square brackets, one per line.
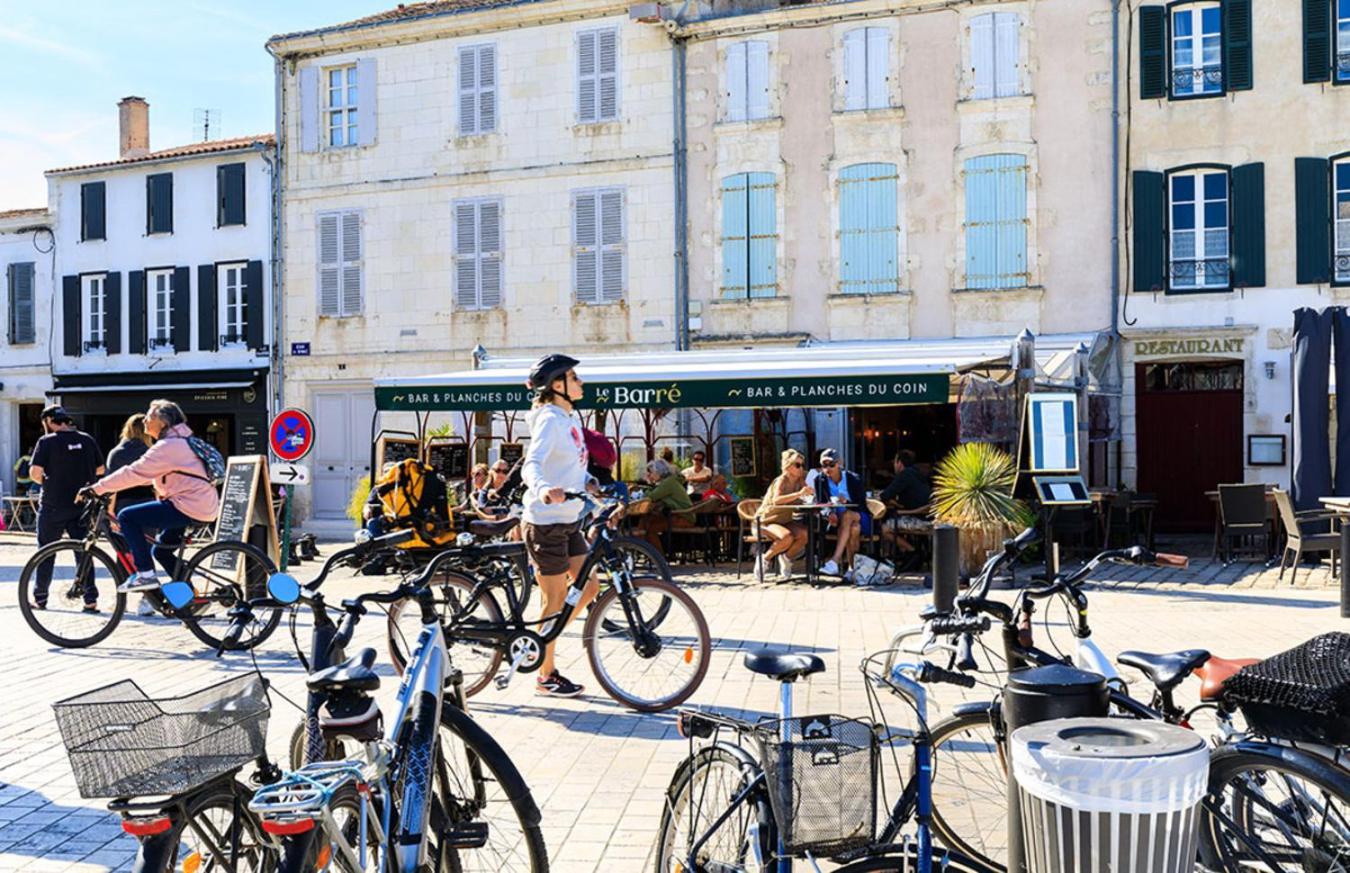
[596, 770]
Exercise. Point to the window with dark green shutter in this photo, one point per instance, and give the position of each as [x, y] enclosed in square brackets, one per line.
[1150, 250]
[1152, 52]
[93, 224]
[1237, 45]
[1249, 226]
[159, 203]
[1312, 201]
[1317, 40]
[71, 321]
[1342, 55]
[1199, 230]
[230, 195]
[21, 278]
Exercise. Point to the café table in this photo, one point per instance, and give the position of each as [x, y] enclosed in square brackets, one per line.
[1341, 506]
[811, 514]
[19, 507]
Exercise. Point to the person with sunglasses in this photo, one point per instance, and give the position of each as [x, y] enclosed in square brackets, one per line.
[778, 516]
[697, 476]
[840, 486]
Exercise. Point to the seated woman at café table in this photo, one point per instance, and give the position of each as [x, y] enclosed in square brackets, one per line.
[778, 516]
[697, 475]
[837, 485]
[667, 496]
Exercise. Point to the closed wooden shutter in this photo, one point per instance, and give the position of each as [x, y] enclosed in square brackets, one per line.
[330, 265]
[230, 194]
[22, 329]
[468, 90]
[982, 55]
[489, 253]
[1152, 52]
[208, 319]
[737, 84]
[612, 246]
[477, 89]
[996, 221]
[180, 328]
[1237, 45]
[112, 313]
[352, 279]
[92, 211]
[1007, 49]
[1312, 208]
[868, 229]
[1249, 225]
[159, 203]
[735, 237]
[878, 68]
[487, 88]
[478, 254]
[1316, 41]
[855, 69]
[72, 329]
[137, 308]
[255, 310]
[365, 101]
[466, 252]
[757, 79]
[1149, 240]
[607, 48]
[309, 109]
[587, 111]
[585, 230]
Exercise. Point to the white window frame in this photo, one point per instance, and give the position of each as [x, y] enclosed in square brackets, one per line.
[1340, 237]
[342, 265]
[1004, 37]
[876, 64]
[479, 255]
[599, 77]
[476, 92]
[1340, 58]
[746, 88]
[233, 311]
[1197, 69]
[600, 245]
[94, 332]
[159, 321]
[1202, 251]
[340, 106]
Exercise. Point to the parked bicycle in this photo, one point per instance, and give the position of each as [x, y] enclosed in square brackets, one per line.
[82, 605]
[174, 767]
[804, 787]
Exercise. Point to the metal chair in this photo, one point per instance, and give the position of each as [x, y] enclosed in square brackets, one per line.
[1300, 538]
[1242, 518]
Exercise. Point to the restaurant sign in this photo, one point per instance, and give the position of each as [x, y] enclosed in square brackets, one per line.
[702, 393]
[1203, 345]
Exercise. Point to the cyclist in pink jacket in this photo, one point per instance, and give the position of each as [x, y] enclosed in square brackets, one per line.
[182, 484]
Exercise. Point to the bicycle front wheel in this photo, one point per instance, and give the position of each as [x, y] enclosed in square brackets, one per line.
[221, 834]
[58, 610]
[1274, 813]
[222, 575]
[648, 668]
[970, 789]
[477, 661]
[483, 816]
[639, 559]
[907, 861]
[699, 795]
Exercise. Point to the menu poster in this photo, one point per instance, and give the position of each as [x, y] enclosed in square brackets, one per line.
[742, 456]
[392, 450]
[245, 504]
[449, 459]
[511, 453]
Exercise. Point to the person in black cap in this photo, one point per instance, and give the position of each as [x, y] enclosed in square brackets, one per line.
[65, 460]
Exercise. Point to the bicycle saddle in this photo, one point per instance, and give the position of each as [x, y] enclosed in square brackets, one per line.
[1216, 671]
[353, 674]
[1166, 670]
[783, 666]
[485, 528]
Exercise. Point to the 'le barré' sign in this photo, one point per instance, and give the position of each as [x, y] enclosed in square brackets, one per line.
[702, 393]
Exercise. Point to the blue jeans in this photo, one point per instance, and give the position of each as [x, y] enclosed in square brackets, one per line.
[171, 523]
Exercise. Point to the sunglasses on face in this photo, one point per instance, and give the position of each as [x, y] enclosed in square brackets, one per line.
[827, 465]
[500, 470]
[796, 465]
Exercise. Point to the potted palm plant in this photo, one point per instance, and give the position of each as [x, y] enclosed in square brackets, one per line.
[973, 490]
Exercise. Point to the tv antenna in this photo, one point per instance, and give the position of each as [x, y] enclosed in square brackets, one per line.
[205, 123]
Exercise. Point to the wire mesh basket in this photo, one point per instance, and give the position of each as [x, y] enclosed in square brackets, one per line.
[121, 743]
[821, 772]
[1300, 694]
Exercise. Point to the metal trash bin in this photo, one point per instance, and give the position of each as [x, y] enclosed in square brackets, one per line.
[1109, 794]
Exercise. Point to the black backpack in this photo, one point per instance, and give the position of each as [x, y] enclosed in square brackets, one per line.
[212, 461]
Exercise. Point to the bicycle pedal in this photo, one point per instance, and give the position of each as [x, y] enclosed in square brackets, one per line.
[503, 681]
[466, 835]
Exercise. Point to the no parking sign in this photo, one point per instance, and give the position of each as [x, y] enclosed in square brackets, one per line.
[291, 434]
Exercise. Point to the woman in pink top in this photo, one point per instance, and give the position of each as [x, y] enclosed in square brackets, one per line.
[182, 484]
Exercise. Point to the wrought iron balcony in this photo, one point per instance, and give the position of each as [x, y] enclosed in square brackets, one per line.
[1200, 273]
[1197, 80]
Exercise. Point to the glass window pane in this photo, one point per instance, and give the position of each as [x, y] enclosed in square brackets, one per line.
[1182, 57]
[1183, 217]
[334, 78]
[1181, 22]
[1343, 207]
[1210, 20]
[351, 77]
[1211, 50]
[1183, 245]
[351, 95]
[1183, 188]
[1343, 174]
[1216, 243]
[1216, 186]
[1216, 215]
[351, 133]
[1345, 9]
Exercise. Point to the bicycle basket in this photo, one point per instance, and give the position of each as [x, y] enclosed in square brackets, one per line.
[1302, 694]
[122, 743]
[821, 772]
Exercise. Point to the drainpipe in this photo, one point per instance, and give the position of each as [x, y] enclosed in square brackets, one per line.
[1115, 167]
[278, 308]
[681, 191]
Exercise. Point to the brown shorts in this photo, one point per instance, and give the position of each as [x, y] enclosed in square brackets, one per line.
[551, 546]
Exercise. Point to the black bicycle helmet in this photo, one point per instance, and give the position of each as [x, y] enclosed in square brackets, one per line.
[548, 368]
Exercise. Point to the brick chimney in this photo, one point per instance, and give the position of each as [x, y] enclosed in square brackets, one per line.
[133, 127]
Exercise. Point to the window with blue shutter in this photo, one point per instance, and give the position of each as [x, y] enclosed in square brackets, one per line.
[93, 224]
[747, 81]
[866, 69]
[749, 236]
[996, 221]
[869, 233]
[995, 46]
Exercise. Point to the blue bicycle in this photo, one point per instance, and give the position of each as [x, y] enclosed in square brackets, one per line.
[804, 787]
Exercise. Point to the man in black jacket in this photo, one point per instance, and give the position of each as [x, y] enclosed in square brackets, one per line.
[843, 487]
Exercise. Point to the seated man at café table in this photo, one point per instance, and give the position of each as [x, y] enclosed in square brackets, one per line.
[840, 486]
[909, 490]
[667, 496]
[697, 475]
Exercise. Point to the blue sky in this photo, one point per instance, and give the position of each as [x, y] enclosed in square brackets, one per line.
[64, 64]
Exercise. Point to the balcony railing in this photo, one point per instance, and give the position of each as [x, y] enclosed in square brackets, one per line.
[1343, 65]
[1200, 273]
[94, 345]
[1197, 80]
[232, 339]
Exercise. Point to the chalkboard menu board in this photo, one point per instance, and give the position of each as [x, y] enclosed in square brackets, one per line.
[449, 459]
[511, 453]
[393, 450]
[245, 479]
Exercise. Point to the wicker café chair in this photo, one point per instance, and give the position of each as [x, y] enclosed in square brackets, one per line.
[747, 531]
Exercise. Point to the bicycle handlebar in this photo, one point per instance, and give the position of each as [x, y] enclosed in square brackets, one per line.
[932, 674]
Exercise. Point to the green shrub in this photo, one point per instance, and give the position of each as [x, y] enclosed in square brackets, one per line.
[355, 506]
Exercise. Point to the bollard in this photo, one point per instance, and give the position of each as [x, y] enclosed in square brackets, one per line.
[947, 566]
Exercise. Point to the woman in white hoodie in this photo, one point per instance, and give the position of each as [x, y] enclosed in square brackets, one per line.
[555, 463]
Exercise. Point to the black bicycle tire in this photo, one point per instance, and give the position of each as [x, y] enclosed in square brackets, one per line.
[333, 750]
[670, 590]
[942, 830]
[684, 774]
[1226, 763]
[662, 566]
[906, 861]
[26, 606]
[392, 635]
[193, 621]
[486, 751]
[235, 797]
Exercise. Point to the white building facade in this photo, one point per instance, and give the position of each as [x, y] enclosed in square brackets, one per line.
[457, 177]
[163, 267]
[26, 257]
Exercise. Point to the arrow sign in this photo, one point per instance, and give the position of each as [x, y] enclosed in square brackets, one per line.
[290, 474]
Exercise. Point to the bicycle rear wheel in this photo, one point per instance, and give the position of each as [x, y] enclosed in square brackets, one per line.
[699, 794]
[221, 834]
[647, 668]
[907, 861]
[1274, 813]
[79, 577]
[224, 574]
[970, 789]
[478, 662]
[484, 818]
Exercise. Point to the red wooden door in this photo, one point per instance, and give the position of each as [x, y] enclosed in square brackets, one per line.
[1188, 435]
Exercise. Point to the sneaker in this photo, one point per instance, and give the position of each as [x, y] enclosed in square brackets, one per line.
[759, 568]
[144, 608]
[784, 567]
[554, 685]
[139, 582]
[830, 568]
[91, 608]
[39, 606]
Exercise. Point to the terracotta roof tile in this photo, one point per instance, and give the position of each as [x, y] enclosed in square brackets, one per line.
[183, 151]
[36, 212]
[407, 12]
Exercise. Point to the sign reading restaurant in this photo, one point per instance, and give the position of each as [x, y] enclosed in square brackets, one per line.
[703, 393]
[1204, 345]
